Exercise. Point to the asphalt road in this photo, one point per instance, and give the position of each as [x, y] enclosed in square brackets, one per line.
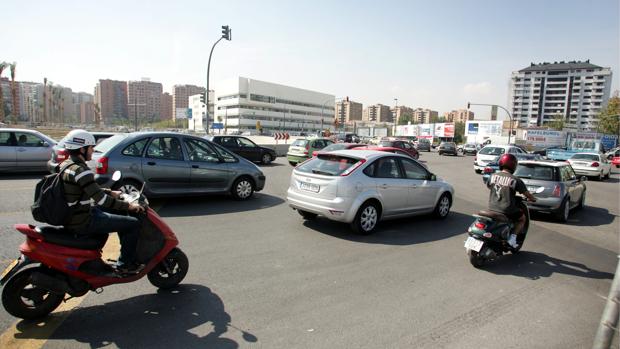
[261, 277]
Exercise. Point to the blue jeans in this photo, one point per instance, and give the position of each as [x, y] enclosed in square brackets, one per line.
[127, 227]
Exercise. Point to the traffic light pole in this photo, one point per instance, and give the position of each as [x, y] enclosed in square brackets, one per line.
[207, 92]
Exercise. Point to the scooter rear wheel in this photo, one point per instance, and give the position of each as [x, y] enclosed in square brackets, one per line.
[170, 271]
[24, 300]
[476, 259]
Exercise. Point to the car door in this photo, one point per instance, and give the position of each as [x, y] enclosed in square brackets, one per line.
[209, 172]
[421, 190]
[164, 166]
[8, 150]
[570, 181]
[231, 144]
[391, 186]
[249, 149]
[32, 151]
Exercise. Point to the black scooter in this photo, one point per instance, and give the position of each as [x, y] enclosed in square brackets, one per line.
[489, 233]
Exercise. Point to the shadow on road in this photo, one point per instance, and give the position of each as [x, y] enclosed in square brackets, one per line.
[589, 216]
[190, 316]
[406, 231]
[534, 265]
[23, 175]
[207, 205]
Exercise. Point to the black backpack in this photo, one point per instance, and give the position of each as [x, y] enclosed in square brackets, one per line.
[50, 205]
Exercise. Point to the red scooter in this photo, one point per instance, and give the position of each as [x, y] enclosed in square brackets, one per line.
[54, 263]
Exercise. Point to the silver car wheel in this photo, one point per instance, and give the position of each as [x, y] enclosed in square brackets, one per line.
[128, 188]
[244, 189]
[444, 206]
[368, 218]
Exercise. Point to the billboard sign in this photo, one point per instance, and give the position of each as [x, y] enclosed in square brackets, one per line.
[483, 128]
[181, 113]
[472, 128]
[545, 138]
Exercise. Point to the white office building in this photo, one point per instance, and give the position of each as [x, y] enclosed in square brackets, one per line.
[197, 112]
[574, 91]
[242, 104]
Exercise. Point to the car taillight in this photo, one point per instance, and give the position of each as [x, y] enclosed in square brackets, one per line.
[62, 155]
[307, 148]
[102, 165]
[488, 170]
[595, 164]
[557, 191]
[314, 153]
[353, 168]
[480, 225]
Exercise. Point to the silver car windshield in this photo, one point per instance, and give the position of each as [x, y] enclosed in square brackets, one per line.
[329, 165]
[527, 171]
[492, 151]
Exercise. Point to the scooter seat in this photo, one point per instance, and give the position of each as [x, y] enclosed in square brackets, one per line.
[64, 237]
[500, 217]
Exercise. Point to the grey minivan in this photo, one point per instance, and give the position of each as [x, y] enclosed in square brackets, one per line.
[168, 163]
[24, 150]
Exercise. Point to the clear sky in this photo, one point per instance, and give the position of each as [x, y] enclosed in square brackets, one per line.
[434, 54]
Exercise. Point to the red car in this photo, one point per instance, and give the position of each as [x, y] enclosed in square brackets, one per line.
[337, 146]
[391, 150]
[615, 160]
[405, 146]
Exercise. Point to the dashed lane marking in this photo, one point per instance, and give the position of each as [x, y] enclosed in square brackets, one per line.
[35, 335]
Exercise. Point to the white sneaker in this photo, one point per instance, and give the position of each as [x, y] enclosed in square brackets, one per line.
[512, 241]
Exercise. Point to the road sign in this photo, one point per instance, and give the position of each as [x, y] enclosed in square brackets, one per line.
[217, 126]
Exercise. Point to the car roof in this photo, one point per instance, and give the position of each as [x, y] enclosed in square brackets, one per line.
[544, 162]
[362, 153]
[587, 153]
[505, 146]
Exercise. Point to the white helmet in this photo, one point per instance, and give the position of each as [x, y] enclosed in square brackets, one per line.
[77, 139]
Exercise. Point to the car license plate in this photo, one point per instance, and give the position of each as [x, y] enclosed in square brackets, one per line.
[9, 268]
[309, 187]
[473, 244]
[531, 189]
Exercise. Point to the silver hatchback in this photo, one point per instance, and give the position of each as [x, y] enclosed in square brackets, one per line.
[362, 187]
[24, 150]
[168, 163]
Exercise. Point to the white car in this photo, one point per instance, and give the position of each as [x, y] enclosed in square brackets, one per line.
[362, 187]
[490, 153]
[591, 165]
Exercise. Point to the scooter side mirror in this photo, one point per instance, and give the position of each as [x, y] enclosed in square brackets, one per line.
[116, 175]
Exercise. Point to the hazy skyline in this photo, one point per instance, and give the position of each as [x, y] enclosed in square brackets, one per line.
[436, 55]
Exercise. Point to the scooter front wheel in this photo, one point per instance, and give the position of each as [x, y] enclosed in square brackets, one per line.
[170, 271]
[25, 300]
[475, 259]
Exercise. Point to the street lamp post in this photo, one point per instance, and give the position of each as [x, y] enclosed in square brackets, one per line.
[226, 34]
[498, 106]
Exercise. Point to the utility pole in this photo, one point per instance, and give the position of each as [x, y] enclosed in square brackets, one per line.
[226, 34]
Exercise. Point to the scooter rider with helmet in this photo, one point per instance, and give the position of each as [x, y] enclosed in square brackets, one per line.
[502, 197]
[86, 219]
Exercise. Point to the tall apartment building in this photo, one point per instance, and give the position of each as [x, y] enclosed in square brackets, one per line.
[166, 106]
[575, 91]
[241, 103]
[181, 94]
[347, 111]
[84, 113]
[144, 100]
[423, 116]
[378, 113]
[460, 115]
[399, 111]
[31, 102]
[111, 99]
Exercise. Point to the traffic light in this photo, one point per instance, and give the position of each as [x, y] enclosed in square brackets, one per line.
[226, 32]
[468, 105]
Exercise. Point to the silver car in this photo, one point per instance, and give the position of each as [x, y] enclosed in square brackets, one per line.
[555, 185]
[24, 150]
[169, 163]
[591, 164]
[362, 187]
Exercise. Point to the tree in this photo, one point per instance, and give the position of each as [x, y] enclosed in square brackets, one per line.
[3, 66]
[609, 118]
[557, 123]
[405, 118]
[14, 91]
[459, 132]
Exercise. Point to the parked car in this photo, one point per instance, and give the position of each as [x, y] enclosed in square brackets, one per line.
[424, 144]
[23, 150]
[448, 148]
[246, 148]
[390, 150]
[303, 148]
[470, 148]
[490, 152]
[168, 163]
[348, 138]
[400, 144]
[555, 185]
[60, 154]
[591, 165]
[338, 146]
[543, 152]
[493, 166]
[615, 158]
[363, 187]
